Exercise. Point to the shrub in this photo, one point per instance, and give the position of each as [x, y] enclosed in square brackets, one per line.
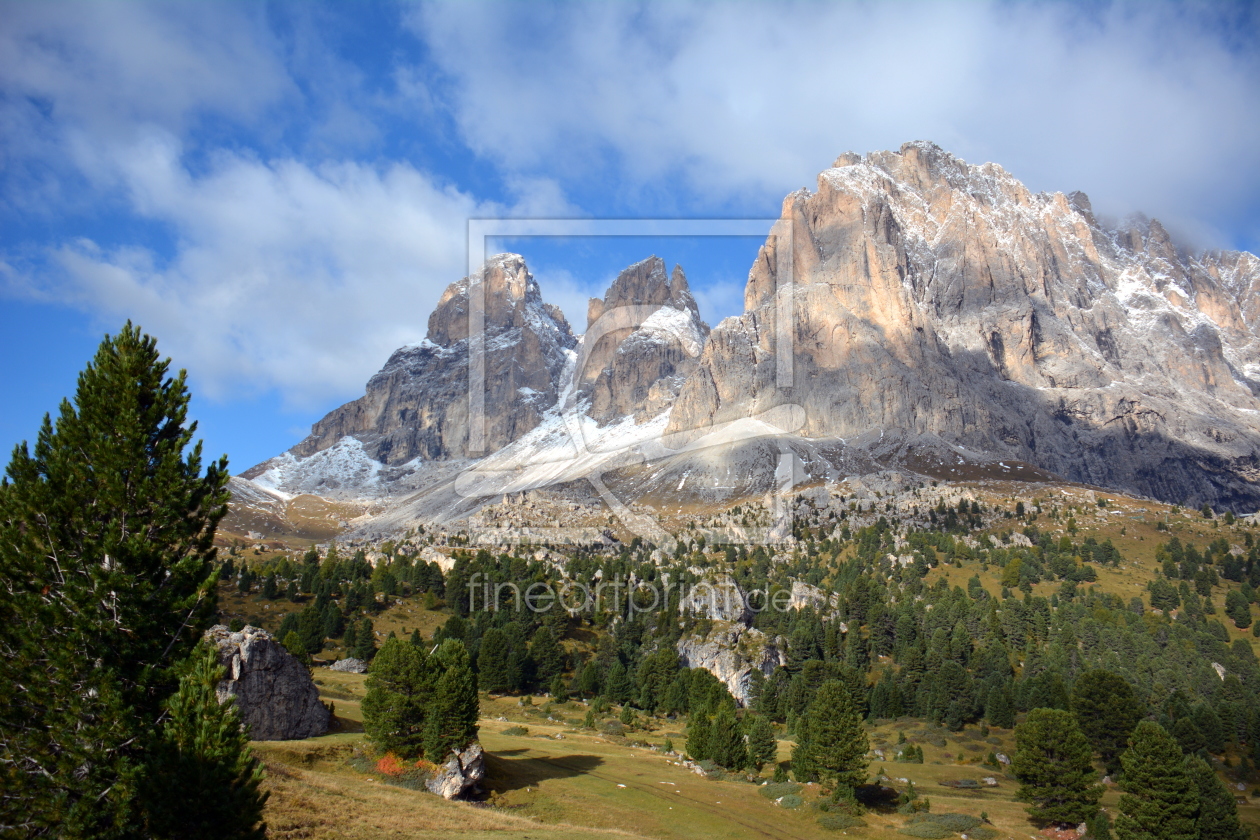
[516, 730]
[983, 833]
[389, 765]
[791, 801]
[837, 822]
[954, 822]
[774, 790]
[614, 727]
[925, 831]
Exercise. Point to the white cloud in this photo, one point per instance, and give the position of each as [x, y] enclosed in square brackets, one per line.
[1145, 106]
[298, 277]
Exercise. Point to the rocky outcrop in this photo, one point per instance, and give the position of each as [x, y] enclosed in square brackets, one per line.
[275, 696]
[643, 339]
[806, 595]
[730, 652]
[717, 597]
[461, 774]
[934, 302]
[349, 666]
[417, 406]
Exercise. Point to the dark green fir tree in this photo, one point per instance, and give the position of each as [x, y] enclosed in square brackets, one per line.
[400, 687]
[1161, 799]
[763, 747]
[108, 582]
[1218, 813]
[831, 744]
[1106, 710]
[203, 782]
[453, 713]
[1053, 764]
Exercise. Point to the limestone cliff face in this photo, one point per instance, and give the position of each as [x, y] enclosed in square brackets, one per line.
[935, 300]
[643, 340]
[731, 652]
[418, 405]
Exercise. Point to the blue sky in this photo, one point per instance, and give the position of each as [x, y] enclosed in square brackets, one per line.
[279, 191]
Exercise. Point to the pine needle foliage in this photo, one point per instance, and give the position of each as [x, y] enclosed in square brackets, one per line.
[1160, 800]
[1053, 764]
[106, 583]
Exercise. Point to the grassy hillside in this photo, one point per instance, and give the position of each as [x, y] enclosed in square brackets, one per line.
[548, 776]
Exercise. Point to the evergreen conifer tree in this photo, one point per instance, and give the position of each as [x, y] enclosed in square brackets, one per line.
[365, 641]
[493, 667]
[400, 688]
[202, 783]
[1106, 709]
[1218, 813]
[1053, 764]
[1161, 799]
[832, 744]
[698, 732]
[726, 740]
[107, 581]
[763, 747]
[453, 713]
[547, 655]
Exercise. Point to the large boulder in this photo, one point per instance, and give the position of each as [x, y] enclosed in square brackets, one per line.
[461, 774]
[275, 696]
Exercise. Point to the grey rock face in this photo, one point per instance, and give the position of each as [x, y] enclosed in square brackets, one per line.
[643, 339]
[730, 652]
[461, 774]
[417, 406]
[932, 300]
[275, 695]
[717, 597]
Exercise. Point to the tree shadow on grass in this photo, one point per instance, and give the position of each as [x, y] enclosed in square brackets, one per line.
[505, 773]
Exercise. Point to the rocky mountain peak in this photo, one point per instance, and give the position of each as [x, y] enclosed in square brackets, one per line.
[941, 301]
[643, 338]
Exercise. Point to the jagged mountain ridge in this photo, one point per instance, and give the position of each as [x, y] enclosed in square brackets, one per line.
[940, 310]
[937, 301]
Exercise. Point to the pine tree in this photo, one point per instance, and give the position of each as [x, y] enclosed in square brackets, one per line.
[493, 672]
[726, 740]
[1106, 710]
[833, 744]
[453, 713]
[547, 655]
[698, 737]
[763, 747]
[999, 708]
[1218, 813]
[1053, 764]
[107, 581]
[1161, 799]
[400, 688]
[203, 783]
[365, 641]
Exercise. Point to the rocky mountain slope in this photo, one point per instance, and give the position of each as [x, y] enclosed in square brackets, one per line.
[933, 301]
[941, 317]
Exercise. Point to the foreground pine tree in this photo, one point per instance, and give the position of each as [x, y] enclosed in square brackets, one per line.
[831, 742]
[1053, 764]
[202, 782]
[106, 583]
[1161, 799]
